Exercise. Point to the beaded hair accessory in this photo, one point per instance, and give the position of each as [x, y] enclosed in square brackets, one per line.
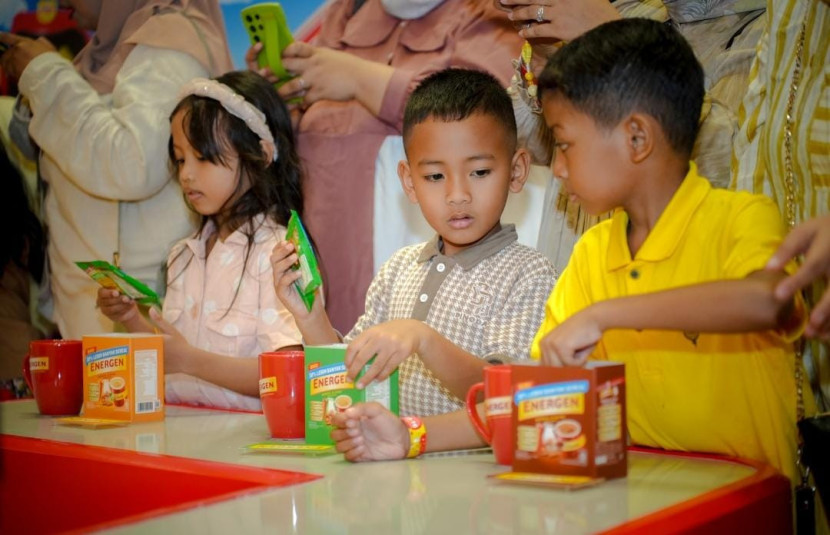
[236, 105]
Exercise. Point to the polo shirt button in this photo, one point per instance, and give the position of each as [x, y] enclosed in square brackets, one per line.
[635, 274]
[440, 268]
[423, 298]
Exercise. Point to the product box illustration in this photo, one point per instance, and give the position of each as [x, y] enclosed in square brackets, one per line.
[328, 390]
[124, 377]
[570, 421]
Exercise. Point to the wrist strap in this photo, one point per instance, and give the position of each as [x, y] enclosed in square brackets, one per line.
[417, 436]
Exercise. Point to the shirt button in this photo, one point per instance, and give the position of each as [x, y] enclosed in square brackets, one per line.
[635, 274]
[423, 298]
[440, 268]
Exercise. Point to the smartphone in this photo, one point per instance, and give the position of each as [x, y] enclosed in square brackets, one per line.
[266, 24]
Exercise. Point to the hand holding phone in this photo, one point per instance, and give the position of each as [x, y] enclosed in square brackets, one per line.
[266, 24]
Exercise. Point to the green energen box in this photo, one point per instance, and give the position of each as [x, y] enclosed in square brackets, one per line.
[328, 390]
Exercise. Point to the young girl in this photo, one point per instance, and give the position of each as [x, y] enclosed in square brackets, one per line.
[233, 152]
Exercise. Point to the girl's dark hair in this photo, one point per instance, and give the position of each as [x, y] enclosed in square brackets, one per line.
[276, 187]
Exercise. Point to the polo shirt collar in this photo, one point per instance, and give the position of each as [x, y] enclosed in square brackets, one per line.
[372, 25]
[671, 226]
[496, 240]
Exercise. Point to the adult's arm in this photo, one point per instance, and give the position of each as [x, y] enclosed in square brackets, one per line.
[111, 146]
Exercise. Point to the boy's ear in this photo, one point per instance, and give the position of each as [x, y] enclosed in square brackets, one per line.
[405, 174]
[640, 132]
[519, 169]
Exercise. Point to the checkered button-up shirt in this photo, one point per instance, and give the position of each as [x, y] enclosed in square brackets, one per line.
[488, 299]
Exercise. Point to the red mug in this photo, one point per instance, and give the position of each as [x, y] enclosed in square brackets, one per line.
[498, 408]
[54, 371]
[282, 392]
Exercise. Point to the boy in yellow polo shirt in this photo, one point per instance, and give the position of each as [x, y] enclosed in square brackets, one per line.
[673, 285]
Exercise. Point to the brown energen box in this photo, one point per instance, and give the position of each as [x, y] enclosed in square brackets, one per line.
[570, 421]
[124, 377]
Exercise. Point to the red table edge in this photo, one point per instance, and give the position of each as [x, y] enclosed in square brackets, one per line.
[697, 511]
[267, 477]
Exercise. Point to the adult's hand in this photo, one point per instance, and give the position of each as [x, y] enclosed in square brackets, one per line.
[558, 19]
[327, 74]
[21, 52]
[812, 239]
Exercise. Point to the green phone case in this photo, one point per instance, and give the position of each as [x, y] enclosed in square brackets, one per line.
[266, 24]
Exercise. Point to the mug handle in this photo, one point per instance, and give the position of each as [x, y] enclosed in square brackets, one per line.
[26, 373]
[473, 413]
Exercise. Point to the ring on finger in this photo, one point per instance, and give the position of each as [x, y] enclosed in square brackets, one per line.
[540, 14]
[302, 83]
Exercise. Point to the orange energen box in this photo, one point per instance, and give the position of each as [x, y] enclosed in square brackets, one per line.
[570, 421]
[124, 377]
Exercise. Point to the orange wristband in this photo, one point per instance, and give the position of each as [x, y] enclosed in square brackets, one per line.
[417, 436]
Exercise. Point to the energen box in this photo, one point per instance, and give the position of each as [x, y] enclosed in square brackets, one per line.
[570, 421]
[328, 390]
[124, 377]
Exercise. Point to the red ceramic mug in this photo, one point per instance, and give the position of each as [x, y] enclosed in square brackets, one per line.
[498, 407]
[282, 392]
[54, 371]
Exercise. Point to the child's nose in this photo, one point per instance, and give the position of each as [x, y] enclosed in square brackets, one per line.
[457, 191]
[557, 165]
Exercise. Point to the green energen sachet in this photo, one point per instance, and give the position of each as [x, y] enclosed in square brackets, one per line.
[113, 278]
[310, 278]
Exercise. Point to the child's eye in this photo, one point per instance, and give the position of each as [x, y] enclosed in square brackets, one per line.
[178, 162]
[435, 177]
[562, 146]
[481, 173]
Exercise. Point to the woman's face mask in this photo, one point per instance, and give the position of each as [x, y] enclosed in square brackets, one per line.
[409, 9]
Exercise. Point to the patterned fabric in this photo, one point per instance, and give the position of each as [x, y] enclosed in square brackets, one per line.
[759, 163]
[204, 305]
[489, 299]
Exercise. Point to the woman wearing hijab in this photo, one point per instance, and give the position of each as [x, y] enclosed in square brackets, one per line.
[102, 127]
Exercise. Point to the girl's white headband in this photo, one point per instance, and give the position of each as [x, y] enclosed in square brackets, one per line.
[236, 105]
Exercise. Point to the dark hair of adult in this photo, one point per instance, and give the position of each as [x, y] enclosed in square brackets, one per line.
[627, 66]
[454, 95]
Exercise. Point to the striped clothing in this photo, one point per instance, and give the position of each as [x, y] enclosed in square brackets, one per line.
[759, 161]
[489, 299]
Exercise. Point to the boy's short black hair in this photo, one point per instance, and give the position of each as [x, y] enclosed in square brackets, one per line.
[631, 65]
[456, 94]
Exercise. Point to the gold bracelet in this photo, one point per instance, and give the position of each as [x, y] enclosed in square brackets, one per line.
[417, 436]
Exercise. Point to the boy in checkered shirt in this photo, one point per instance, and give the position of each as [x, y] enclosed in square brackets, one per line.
[441, 311]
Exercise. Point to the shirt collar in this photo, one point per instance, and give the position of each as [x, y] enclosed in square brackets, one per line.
[264, 228]
[671, 226]
[496, 240]
[371, 25]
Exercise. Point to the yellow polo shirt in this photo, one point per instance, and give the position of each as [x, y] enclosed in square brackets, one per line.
[731, 394]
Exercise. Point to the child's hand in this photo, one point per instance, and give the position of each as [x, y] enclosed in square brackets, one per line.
[116, 306]
[283, 257]
[571, 342]
[369, 432]
[390, 343]
[176, 348]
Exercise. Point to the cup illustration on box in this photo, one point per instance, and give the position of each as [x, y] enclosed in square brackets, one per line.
[119, 391]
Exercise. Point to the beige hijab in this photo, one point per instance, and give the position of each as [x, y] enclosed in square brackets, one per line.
[194, 27]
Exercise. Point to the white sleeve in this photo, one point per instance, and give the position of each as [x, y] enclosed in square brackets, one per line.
[110, 146]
